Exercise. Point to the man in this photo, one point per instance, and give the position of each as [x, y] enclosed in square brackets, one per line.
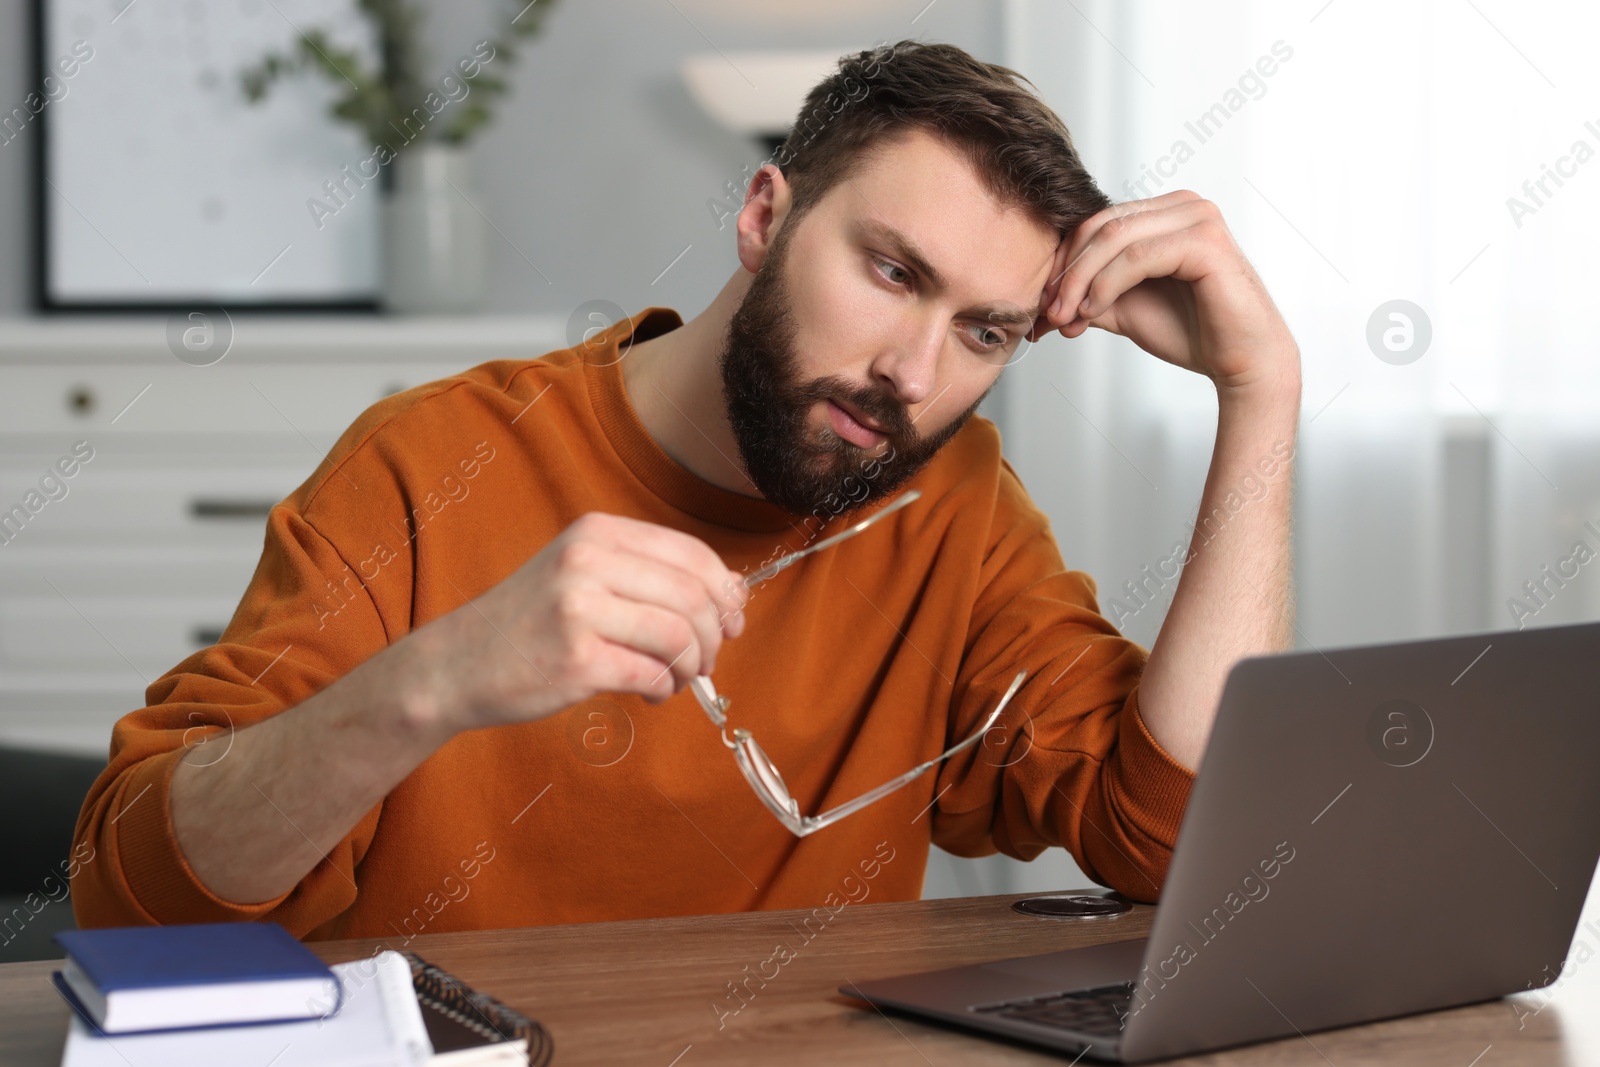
[453, 694]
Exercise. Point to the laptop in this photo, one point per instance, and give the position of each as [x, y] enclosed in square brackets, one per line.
[1375, 831]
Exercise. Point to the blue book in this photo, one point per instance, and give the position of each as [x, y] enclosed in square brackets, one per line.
[135, 978]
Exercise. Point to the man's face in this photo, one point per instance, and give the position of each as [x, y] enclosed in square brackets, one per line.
[855, 355]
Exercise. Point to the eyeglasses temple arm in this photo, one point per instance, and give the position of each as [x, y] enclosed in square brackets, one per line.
[771, 570]
[850, 807]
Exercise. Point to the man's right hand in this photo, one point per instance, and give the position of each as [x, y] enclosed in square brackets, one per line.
[612, 604]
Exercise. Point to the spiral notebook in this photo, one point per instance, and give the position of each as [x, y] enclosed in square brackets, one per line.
[399, 1011]
[468, 1028]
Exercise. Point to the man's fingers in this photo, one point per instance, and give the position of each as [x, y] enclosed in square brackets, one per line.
[1157, 257]
[649, 581]
[1052, 286]
[626, 670]
[1058, 311]
[725, 587]
[1094, 223]
[1113, 236]
[665, 637]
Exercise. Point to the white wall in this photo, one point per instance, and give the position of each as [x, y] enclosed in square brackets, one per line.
[597, 166]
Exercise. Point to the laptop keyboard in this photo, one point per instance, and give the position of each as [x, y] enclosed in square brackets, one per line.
[1100, 1011]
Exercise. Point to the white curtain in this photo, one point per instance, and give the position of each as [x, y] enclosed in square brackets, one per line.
[1362, 152]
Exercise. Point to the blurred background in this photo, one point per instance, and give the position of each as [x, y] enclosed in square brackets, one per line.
[1415, 183]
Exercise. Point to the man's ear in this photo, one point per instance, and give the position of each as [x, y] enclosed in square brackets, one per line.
[766, 206]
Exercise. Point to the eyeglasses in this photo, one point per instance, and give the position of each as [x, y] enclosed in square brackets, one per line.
[754, 763]
[768, 783]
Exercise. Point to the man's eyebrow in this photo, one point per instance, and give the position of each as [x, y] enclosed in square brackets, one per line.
[1007, 314]
[1002, 314]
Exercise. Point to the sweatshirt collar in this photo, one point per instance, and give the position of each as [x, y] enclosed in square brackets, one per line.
[602, 356]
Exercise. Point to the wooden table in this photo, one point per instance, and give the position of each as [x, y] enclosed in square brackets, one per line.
[645, 992]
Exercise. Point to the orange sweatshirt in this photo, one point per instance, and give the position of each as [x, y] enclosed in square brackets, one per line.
[856, 664]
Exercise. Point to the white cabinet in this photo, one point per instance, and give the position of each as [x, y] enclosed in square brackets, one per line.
[110, 576]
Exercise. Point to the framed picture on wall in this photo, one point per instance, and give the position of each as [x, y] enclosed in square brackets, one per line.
[161, 186]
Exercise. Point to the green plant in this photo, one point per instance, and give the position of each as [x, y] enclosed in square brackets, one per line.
[381, 97]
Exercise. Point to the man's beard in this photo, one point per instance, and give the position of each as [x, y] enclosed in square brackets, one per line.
[798, 470]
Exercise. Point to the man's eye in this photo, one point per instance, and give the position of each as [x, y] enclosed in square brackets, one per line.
[879, 263]
[998, 339]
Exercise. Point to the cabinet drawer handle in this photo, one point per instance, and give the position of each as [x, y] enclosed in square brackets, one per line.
[211, 508]
[205, 636]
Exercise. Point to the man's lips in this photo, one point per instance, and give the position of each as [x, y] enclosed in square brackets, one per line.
[852, 426]
[857, 414]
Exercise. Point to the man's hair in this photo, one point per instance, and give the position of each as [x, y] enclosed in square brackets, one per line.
[1019, 148]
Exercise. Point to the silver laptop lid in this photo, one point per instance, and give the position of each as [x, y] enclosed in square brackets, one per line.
[1378, 830]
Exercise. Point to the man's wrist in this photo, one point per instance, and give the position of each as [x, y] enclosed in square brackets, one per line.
[421, 695]
[1277, 389]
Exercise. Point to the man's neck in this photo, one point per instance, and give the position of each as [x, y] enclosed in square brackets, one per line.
[675, 386]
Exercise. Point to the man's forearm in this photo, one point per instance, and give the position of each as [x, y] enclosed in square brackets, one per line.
[254, 822]
[589, 607]
[1233, 598]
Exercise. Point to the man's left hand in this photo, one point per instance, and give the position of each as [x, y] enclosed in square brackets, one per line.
[1166, 274]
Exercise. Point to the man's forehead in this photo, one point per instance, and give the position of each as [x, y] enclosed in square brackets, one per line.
[921, 196]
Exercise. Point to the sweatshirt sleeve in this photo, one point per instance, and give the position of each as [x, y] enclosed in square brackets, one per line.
[293, 633]
[1071, 762]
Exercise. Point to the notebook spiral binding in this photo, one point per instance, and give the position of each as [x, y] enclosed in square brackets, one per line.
[479, 1011]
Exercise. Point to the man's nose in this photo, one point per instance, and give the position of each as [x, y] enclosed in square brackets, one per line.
[908, 365]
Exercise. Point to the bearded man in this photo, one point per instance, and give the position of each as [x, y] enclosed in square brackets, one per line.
[455, 689]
